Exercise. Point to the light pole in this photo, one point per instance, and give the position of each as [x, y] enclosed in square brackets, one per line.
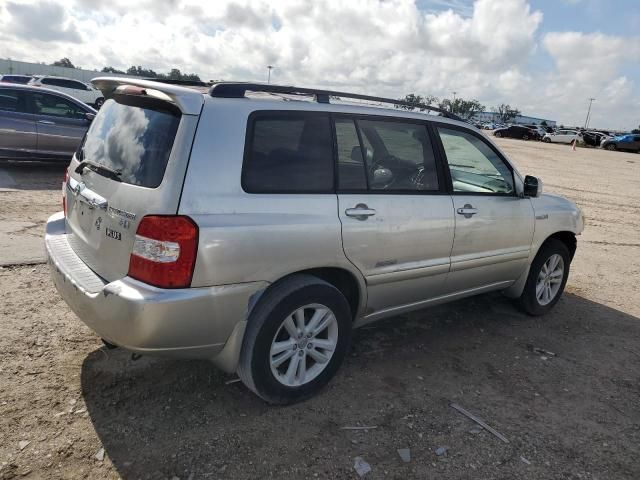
[454, 101]
[586, 121]
[269, 67]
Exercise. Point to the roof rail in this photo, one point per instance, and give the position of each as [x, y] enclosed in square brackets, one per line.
[238, 90]
[184, 83]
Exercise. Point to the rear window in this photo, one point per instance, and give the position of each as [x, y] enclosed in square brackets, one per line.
[134, 137]
[12, 101]
[288, 152]
[15, 79]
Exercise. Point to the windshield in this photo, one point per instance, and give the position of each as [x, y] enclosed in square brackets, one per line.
[133, 137]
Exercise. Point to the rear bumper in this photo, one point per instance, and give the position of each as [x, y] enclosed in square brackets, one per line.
[188, 323]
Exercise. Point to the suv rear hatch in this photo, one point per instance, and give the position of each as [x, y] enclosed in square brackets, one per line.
[131, 164]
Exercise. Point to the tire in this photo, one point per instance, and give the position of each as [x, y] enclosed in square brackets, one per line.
[611, 147]
[99, 102]
[498, 134]
[525, 137]
[266, 327]
[546, 140]
[529, 300]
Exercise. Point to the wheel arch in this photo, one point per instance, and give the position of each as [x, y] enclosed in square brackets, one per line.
[351, 285]
[565, 236]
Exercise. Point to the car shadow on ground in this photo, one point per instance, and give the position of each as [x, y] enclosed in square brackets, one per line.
[30, 175]
[537, 380]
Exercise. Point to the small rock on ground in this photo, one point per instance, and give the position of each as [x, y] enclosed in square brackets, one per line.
[405, 454]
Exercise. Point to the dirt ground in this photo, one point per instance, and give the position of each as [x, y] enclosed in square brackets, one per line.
[87, 412]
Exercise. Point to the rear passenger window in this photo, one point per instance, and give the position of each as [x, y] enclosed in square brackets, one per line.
[398, 156]
[288, 152]
[351, 172]
[52, 105]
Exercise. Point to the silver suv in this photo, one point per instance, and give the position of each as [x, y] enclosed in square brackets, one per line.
[256, 225]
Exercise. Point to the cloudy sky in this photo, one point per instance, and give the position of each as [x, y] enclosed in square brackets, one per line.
[547, 57]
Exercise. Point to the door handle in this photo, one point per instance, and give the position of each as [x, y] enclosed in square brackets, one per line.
[360, 212]
[467, 211]
[46, 122]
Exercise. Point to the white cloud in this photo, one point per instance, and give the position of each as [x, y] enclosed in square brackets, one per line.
[45, 21]
[589, 65]
[380, 47]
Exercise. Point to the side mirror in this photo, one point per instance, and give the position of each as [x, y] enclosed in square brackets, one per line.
[89, 116]
[532, 186]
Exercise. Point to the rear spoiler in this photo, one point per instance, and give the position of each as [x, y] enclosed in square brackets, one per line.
[188, 100]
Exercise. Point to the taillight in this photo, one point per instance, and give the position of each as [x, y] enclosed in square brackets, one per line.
[164, 251]
[64, 191]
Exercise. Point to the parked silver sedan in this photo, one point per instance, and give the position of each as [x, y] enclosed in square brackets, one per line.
[40, 124]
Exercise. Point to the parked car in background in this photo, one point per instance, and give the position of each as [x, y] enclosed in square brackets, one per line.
[40, 124]
[540, 129]
[561, 136]
[15, 78]
[625, 143]
[517, 131]
[593, 138]
[77, 89]
[215, 224]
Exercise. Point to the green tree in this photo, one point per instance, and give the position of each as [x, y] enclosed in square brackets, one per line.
[111, 70]
[63, 62]
[174, 74]
[417, 101]
[506, 112]
[461, 107]
[141, 72]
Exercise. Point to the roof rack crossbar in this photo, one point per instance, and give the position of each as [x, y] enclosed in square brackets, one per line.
[238, 90]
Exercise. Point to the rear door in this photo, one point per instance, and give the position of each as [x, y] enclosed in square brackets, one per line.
[60, 123]
[397, 219]
[18, 135]
[146, 141]
[493, 226]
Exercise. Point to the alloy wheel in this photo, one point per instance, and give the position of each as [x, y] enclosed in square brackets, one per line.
[303, 345]
[549, 279]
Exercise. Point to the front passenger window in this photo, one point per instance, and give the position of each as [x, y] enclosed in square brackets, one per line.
[475, 167]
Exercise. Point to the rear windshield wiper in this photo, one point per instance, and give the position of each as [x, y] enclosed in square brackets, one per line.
[99, 169]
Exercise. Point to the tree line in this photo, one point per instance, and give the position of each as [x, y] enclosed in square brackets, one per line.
[174, 73]
[459, 106]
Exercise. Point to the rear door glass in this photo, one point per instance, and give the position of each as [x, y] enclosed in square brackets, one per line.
[398, 156]
[134, 137]
[351, 170]
[54, 106]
